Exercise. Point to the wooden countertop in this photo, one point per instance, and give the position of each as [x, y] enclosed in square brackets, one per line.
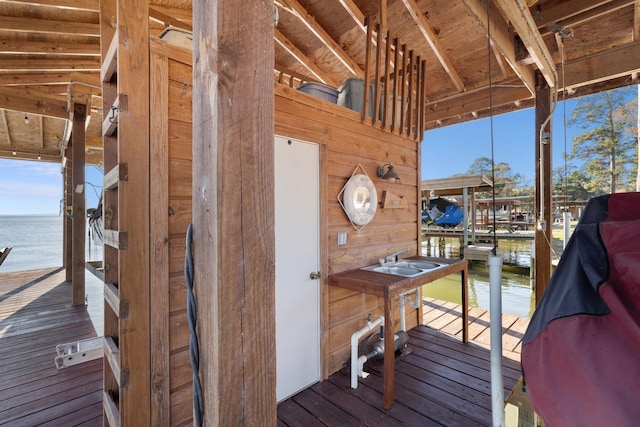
[387, 285]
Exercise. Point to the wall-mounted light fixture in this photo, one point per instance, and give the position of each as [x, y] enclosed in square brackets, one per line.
[39, 156]
[390, 174]
[26, 119]
[14, 151]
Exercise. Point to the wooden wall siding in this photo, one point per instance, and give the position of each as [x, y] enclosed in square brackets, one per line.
[171, 96]
[347, 142]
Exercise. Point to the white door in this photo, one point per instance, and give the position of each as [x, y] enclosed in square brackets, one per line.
[297, 167]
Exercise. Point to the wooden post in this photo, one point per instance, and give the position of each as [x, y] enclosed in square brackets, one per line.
[67, 261]
[543, 235]
[79, 210]
[233, 178]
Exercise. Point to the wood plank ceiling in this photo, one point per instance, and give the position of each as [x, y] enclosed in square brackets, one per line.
[50, 54]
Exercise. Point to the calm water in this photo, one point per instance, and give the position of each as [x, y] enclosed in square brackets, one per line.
[37, 242]
[517, 297]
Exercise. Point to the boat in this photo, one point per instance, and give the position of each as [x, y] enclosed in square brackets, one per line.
[4, 253]
[442, 212]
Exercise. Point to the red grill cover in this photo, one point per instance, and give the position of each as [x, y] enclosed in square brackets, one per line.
[581, 351]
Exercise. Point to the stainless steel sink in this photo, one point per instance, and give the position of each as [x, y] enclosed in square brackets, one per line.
[404, 268]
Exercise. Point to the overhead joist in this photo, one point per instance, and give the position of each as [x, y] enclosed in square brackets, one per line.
[501, 39]
[636, 20]
[303, 59]
[610, 64]
[49, 47]
[473, 101]
[18, 64]
[159, 16]
[19, 78]
[12, 100]
[354, 11]
[433, 41]
[50, 26]
[520, 18]
[554, 12]
[294, 7]
[92, 5]
[556, 21]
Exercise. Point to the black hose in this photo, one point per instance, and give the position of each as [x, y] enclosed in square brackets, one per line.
[194, 349]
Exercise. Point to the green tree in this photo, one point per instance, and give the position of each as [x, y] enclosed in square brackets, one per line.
[606, 145]
[575, 185]
[507, 183]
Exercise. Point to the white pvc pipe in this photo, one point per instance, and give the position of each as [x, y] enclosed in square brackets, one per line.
[412, 304]
[495, 308]
[566, 218]
[355, 338]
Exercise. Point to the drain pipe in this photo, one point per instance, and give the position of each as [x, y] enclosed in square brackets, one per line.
[495, 307]
[412, 304]
[356, 363]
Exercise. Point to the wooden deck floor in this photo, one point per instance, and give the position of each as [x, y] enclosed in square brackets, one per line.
[439, 380]
[35, 315]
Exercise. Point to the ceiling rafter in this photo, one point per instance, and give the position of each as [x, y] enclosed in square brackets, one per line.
[18, 63]
[502, 38]
[56, 48]
[354, 11]
[49, 26]
[30, 78]
[636, 21]
[520, 18]
[294, 7]
[92, 5]
[552, 12]
[434, 42]
[548, 21]
[303, 59]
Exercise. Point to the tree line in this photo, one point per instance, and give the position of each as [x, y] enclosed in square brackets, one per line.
[606, 150]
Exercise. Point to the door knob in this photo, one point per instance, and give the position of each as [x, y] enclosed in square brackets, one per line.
[315, 275]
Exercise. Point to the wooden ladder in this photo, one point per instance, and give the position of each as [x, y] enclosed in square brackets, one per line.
[125, 97]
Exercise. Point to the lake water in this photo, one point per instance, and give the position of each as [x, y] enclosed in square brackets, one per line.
[517, 295]
[37, 242]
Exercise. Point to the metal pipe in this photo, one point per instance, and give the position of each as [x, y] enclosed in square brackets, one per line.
[412, 304]
[566, 218]
[495, 307]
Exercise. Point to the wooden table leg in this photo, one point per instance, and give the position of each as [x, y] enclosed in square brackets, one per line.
[465, 303]
[389, 354]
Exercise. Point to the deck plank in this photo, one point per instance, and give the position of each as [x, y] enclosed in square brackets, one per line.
[36, 314]
[439, 380]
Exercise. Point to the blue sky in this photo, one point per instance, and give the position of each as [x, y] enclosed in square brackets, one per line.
[451, 150]
[35, 188]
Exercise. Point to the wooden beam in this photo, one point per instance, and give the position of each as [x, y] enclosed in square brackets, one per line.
[473, 101]
[5, 126]
[501, 38]
[233, 148]
[167, 19]
[543, 187]
[518, 14]
[79, 230]
[49, 26]
[610, 64]
[553, 12]
[316, 29]
[72, 4]
[546, 25]
[11, 100]
[303, 59]
[636, 21]
[19, 63]
[40, 130]
[12, 78]
[57, 48]
[382, 16]
[434, 42]
[354, 11]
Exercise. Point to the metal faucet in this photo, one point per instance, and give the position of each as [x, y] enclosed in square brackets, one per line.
[394, 256]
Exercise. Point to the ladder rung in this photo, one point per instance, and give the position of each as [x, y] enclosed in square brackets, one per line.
[120, 172]
[112, 297]
[112, 356]
[110, 409]
[110, 63]
[116, 239]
